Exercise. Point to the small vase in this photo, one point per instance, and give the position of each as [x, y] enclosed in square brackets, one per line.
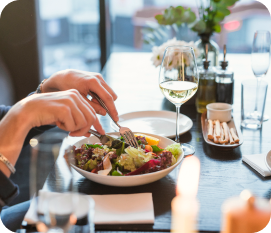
[213, 49]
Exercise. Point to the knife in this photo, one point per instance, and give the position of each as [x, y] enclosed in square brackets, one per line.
[108, 140]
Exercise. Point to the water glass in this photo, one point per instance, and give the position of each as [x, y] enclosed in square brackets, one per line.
[250, 118]
[60, 212]
[84, 213]
[44, 164]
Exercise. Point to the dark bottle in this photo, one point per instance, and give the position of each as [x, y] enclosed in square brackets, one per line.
[224, 82]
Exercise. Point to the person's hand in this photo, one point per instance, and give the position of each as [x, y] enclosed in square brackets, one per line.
[67, 109]
[84, 82]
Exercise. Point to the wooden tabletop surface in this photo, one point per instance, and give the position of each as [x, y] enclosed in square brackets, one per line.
[222, 175]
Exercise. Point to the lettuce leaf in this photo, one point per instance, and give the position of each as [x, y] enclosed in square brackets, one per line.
[93, 146]
[120, 150]
[91, 164]
[175, 149]
[139, 155]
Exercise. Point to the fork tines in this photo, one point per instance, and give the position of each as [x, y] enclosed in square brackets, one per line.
[129, 138]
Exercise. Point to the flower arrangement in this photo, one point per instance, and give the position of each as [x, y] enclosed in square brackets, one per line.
[158, 53]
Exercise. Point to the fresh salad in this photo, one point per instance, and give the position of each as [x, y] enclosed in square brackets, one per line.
[123, 160]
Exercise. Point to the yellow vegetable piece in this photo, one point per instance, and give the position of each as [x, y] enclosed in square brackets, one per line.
[152, 141]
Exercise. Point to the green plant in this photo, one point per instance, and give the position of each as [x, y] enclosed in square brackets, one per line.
[211, 13]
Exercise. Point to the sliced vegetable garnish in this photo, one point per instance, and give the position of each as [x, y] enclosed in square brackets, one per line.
[107, 166]
[156, 149]
[150, 164]
[116, 173]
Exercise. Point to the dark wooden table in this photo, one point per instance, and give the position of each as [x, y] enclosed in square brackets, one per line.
[223, 174]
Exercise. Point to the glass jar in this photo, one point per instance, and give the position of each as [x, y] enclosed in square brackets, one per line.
[213, 49]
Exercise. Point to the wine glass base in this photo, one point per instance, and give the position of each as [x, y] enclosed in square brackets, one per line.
[257, 116]
[187, 149]
[265, 118]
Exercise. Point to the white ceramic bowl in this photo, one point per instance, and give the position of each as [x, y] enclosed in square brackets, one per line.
[268, 160]
[127, 180]
[219, 111]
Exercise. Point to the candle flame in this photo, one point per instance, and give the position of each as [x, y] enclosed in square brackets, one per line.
[246, 194]
[188, 179]
[248, 197]
[33, 142]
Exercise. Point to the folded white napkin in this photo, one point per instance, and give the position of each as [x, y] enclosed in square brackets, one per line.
[112, 209]
[125, 209]
[258, 163]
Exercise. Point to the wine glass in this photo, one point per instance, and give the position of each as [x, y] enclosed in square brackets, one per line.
[260, 60]
[178, 81]
[53, 207]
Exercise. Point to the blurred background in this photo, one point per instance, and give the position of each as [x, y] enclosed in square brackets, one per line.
[81, 34]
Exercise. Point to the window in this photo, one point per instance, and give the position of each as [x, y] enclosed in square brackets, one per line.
[130, 17]
[69, 35]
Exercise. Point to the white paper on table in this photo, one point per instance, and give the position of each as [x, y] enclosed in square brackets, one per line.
[124, 208]
[112, 209]
[257, 162]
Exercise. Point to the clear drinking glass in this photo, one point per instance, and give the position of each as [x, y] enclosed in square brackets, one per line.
[248, 103]
[260, 60]
[53, 206]
[178, 81]
[84, 213]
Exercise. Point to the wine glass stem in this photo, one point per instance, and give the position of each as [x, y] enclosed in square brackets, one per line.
[177, 139]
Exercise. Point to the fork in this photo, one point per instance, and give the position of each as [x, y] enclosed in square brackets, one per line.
[125, 132]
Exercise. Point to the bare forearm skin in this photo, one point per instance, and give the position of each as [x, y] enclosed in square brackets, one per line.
[13, 130]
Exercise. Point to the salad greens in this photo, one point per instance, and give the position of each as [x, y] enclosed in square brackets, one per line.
[176, 151]
[93, 146]
[116, 160]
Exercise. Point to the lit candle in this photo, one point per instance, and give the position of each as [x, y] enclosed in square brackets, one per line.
[185, 205]
[245, 214]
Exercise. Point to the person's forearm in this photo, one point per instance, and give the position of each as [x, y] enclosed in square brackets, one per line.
[13, 130]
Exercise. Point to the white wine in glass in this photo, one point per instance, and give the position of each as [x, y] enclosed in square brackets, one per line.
[178, 81]
[178, 92]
